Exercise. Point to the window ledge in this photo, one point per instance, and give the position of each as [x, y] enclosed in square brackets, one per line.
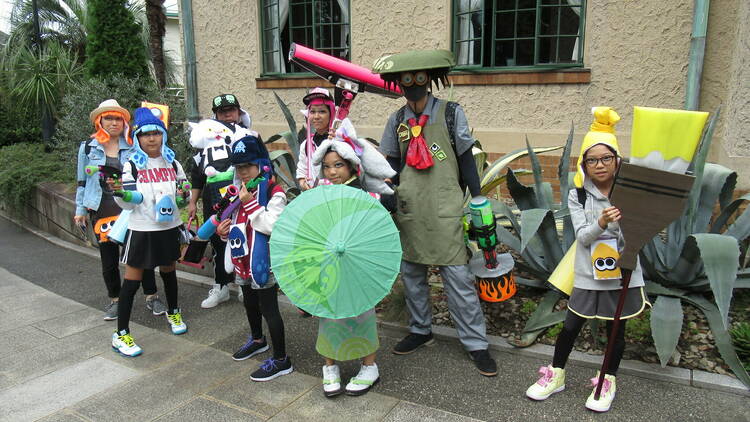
[461, 77]
[522, 77]
[280, 82]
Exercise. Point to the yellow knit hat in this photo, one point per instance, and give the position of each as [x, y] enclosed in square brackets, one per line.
[602, 131]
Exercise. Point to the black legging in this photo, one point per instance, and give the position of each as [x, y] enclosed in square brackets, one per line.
[571, 327]
[110, 254]
[130, 287]
[220, 275]
[264, 303]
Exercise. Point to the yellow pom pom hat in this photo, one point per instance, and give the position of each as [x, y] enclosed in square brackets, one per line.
[602, 131]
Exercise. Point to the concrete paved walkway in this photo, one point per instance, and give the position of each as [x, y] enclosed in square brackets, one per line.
[56, 364]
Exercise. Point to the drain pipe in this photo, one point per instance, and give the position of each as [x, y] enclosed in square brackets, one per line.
[191, 74]
[697, 53]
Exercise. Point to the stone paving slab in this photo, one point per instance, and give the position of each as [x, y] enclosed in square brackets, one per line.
[313, 406]
[63, 416]
[163, 390]
[159, 349]
[21, 339]
[203, 409]
[24, 366]
[406, 411]
[36, 299]
[42, 310]
[264, 398]
[11, 290]
[74, 322]
[57, 390]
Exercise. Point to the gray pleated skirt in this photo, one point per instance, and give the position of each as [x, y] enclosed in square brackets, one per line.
[602, 304]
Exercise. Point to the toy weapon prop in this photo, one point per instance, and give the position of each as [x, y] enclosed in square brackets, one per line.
[225, 207]
[333, 69]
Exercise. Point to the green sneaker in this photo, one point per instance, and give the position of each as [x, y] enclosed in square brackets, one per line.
[551, 382]
[607, 395]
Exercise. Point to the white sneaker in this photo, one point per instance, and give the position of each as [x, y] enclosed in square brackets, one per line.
[124, 344]
[176, 323]
[552, 381]
[216, 295]
[241, 296]
[607, 395]
[331, 380]
[367, 377]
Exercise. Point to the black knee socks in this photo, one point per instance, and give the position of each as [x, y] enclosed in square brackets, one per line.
[170, 289]
[127, 292]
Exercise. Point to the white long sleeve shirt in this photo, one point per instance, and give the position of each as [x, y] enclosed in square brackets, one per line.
[158, 180]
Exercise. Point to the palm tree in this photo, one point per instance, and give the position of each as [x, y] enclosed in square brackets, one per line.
[157, 27]
[66, 22]
[61, 20]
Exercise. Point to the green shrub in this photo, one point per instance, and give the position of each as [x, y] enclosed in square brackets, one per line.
[639, 328]
[18, 125]
[24, 165]
[82, 97]
[114, 43]
[554, 331]
[741, 339]
[528, 307]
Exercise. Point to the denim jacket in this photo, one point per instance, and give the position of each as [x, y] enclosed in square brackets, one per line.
[89, 191]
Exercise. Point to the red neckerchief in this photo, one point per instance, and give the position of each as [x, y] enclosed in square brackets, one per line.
[417, 154]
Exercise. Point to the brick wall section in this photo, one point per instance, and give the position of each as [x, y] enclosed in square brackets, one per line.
[549, 164]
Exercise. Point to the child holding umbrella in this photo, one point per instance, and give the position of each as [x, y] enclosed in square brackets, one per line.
[346, 160]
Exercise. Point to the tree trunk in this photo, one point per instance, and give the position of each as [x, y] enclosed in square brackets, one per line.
[156, 29]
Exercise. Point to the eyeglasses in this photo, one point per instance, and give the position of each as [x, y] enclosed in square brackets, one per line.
[606, 160]
[408, 79]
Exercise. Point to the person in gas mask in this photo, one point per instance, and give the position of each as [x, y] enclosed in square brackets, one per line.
[428, 143]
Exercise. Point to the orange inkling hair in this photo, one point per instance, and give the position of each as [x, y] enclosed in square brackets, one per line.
[102, 136]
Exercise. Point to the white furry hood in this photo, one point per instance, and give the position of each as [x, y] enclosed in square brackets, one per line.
[374, 168]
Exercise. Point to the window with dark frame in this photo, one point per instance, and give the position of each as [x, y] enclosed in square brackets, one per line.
[320, 24]
[503, 34]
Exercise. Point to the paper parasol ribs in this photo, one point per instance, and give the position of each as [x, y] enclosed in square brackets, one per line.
[651, 190]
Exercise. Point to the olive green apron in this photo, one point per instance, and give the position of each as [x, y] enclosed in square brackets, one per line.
[430, 201]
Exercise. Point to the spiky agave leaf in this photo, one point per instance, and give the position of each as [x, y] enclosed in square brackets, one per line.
[666, 326]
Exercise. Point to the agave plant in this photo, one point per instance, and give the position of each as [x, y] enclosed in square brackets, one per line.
[284, 160]
[700, 256]
[693, 257]
[535, 234]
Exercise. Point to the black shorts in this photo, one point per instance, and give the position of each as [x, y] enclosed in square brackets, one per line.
[151, 249]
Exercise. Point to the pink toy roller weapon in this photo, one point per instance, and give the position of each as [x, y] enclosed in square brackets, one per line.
[334, 69]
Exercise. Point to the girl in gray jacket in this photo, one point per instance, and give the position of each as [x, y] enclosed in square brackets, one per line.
[597, 276]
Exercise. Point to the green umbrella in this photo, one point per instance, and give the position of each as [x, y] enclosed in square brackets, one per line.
[335, 251]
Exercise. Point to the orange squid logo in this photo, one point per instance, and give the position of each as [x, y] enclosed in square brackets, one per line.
[496, 289]
[103, 226]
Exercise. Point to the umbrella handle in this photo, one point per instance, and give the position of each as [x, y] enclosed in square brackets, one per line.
[615, 327]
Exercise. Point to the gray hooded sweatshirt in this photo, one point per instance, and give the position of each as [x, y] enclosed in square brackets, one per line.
[587, 230]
